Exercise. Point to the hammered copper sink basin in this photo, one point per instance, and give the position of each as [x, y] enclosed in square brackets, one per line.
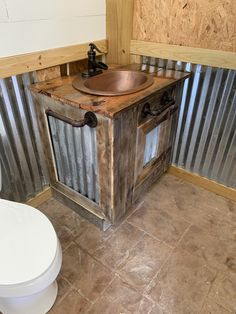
[113, 83]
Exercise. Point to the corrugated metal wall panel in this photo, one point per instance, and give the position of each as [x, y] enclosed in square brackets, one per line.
[206, 134]
[205, 139]
[23, 166]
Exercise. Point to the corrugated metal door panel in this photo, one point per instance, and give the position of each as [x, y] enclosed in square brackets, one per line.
[76, 157]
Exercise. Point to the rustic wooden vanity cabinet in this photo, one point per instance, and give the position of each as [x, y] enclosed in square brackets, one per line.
[101, 172]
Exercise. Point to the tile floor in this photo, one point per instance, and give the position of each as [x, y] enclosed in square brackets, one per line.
[176, 253]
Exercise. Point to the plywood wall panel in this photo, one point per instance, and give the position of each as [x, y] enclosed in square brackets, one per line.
[195, 23]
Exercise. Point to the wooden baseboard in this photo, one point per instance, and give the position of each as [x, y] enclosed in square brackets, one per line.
[205, 183]
[40, 198]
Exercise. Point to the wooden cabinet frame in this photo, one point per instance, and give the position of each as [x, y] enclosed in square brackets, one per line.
[120, 144]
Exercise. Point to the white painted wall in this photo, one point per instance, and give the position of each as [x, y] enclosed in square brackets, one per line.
[33, 25]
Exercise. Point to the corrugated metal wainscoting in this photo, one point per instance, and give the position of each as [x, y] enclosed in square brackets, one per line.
[206, 135]
[23, 165]
[205, 140]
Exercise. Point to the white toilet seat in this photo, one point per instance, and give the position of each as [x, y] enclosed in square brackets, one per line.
[35, 285]
[30, 260]
[28, 243]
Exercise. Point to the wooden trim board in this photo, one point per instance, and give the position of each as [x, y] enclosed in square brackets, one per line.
[43, 59]
[119, 26]
[205, 183]
[40, 198]
[215, 58]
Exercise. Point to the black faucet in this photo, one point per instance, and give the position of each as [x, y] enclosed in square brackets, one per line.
[94, 66]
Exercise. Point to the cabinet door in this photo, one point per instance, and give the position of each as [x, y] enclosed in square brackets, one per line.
[153, 145]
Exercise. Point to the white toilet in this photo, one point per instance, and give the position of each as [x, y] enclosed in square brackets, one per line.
[30, 259]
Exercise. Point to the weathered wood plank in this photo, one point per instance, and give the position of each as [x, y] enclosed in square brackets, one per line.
[43, 103]
[43, 59]
[40, 198]
[104, 164]
[62, 89]
[119, 21]
[148, 179]
[47, 74]
[118, 146]
[215, 58]
[124, 145]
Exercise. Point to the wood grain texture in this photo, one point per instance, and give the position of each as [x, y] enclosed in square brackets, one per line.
[104, 155]
[205, 183]
[118, 144]
[47, 74]
[119, 21]
[40, 198]
[42, 104]
[194, 23]
[123, 150]
[148, 180]
[43, 59]
[202, 56]
[61, 89]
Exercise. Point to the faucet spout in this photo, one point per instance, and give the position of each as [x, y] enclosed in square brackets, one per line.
[101, 65]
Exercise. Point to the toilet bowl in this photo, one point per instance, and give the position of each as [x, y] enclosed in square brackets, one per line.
[30, 259]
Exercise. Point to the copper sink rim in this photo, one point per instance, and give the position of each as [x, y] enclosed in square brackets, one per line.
[78, 84]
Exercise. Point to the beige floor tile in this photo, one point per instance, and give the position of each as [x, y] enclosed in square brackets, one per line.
[182, 284]
[186, 283]
[171, 190]
[65, 236]
[116, 250]
[86, 274]
[216, 226]
[159, 223]
[67, 223]
[105, 306]
[190, 195]
[218, 253]
[92, 238]
[211, 307]
[63, 288]
[73, 303]
[158, 310]
[144, 261]
[124, 300]
[54, 210]
[188, 200]
[230, 211]
[224, 290]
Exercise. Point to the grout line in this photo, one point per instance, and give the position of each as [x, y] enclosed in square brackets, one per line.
[150, 235]
[209, 290]
[78, 290]
[94, 257]
[165, 261]
[184, 233]
[71, 288]
[101, 295]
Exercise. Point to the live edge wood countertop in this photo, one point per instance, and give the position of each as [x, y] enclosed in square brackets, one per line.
[110, 106]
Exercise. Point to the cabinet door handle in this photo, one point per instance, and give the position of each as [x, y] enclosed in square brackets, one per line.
[90, 119]
[165, 102]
